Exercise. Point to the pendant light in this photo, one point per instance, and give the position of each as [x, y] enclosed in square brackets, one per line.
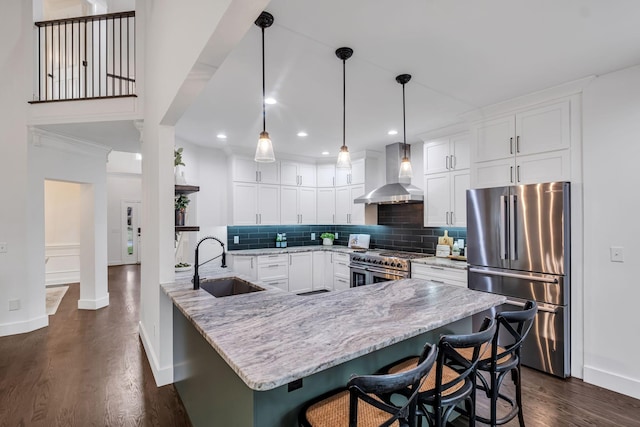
[405, 166]
[344, 158]
[264, 150]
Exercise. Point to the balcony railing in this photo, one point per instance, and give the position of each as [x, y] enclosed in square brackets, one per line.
[86, 57]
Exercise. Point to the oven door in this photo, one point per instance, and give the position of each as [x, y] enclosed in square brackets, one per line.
[360, 276]
[382, 275]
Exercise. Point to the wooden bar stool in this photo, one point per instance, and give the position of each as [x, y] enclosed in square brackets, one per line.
[512, 329]
[360, 404]
[453, 380]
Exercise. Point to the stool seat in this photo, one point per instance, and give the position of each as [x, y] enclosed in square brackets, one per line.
[334, 412]
[485, 352]
[448, 375]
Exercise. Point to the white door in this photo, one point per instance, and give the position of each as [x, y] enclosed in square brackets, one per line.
[289, 173]
[245, 203]
[436, 156]
[436, 200]
[130, 232]
[494, 139]
[307, 175]
[326, 175]
[269, 204]
[343, 205]
[460, 183]
[543, 129]
[300, 272]
[307, 205]
[289, 205]
[326, 205]
[357, 209]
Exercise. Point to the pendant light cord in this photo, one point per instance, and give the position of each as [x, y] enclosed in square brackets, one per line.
[344, 100]
[264, 114]
[404, 124]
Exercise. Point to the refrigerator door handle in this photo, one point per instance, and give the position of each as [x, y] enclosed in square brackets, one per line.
[514, 275]
[541, 307]
[513, 250]
[503, 228]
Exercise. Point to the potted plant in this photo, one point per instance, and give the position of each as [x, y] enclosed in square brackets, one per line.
[177, 162]
[181, 203]
[327, 238]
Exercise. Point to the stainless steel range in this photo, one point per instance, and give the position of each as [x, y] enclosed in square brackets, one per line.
[380, 266]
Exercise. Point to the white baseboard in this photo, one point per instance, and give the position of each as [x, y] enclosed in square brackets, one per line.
[163, 376]
[62, 277]
[24, 327]
[93, 304]
[611, 381]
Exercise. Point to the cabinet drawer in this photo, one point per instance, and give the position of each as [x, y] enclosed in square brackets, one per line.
[437, 272]
[273, 259]
[280, 283]
[341, 265]
[273, 271]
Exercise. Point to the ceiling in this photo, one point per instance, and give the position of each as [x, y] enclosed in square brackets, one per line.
[462, 54]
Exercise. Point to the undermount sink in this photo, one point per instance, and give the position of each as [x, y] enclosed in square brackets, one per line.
[228, 286]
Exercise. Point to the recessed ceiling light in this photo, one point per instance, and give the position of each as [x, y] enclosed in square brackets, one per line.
[392, 132]
[302, 133]
[270, 101]
[221, 136]
[325, 153]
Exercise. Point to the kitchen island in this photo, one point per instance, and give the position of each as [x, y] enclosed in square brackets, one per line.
[253, 359]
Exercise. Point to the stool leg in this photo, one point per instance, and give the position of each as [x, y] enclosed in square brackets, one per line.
[519, 395]
[494, 397]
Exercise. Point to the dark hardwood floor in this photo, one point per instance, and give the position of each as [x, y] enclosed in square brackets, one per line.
[88, 368]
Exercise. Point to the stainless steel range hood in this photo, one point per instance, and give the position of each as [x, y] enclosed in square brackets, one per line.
[396, 190]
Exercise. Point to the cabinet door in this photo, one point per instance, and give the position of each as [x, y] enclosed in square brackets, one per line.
[244, 169]
[436, 156]
[357, 209]
[497, 173]
[269, 173]
[340, 283]
[319, 268]
[343, 205]
[342, 176]
[289, 205]
[245, 265]
[245, 203]
[545, 167]
[307, 205]
[460, 151]
[357, 172]
[543, 129]
[300, 272]
[436, 203]
[307, 175]
[494, 139]
[269, 204]
[326, 207]
[326, 175]
[289, 173]
[460, 183]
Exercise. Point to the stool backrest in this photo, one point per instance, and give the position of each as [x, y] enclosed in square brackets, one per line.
[407, 383]
[513, 328]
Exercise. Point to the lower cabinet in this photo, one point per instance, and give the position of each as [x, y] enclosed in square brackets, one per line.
[341, 271]
[301, 272]
[274, 270]
[245, 265]
[436, 273]
[322, 270]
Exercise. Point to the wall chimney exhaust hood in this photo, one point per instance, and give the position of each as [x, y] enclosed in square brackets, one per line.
[396, 190]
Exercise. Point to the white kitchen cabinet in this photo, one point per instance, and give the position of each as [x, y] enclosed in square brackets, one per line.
[348, 212]
[297, 205]
[447, 154]
[326, 205]
[451, 276]
[355, 175]
[298, 174]
[245, 169]
[274, 270]
[341, 271]
[301, 272]
[326, 175]
[322, 270]
[256, 204]
[245, 265]
[445, 203]
[527, 147]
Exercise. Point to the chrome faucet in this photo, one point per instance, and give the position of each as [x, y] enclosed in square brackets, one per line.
[196, 276]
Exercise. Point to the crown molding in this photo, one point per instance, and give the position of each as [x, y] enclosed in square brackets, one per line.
[40, 138]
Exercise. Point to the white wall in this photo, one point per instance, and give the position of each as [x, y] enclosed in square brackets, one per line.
[62, 207]
[611, 138]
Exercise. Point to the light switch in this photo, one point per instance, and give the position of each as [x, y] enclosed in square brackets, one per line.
[336, 235]
[617, 254]
[236, 239]
[313, 236]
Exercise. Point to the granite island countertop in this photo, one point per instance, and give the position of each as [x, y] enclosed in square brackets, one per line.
[273, 337]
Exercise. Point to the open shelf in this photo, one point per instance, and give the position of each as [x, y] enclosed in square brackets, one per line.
[187, 189]
[187, 228]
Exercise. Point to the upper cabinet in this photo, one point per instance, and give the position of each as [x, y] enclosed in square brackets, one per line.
[527, 147]
[447, 154]
[326, 175]
[245, 169]
[299, 174]
[355, 175]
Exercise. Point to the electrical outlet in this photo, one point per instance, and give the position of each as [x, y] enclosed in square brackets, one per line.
[3, 247]
[313, 236]
[617, 254]
[336, 235]
[236, 239]
[14, 304]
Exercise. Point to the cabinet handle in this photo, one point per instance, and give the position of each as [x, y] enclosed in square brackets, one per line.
[446, 162]
[333, 218]
[518, 144]
[273, 266]
[260, 215]
[511, 174]
[511, 145]
[447, 217]
[300, 179]
[257, 219]
[454, 161]
[436, 268]
[452, 219]
[518, 173]
[290, 257]
[437, 281]
[252, 263]
[333, 180]
[260, 173]
[257, 176]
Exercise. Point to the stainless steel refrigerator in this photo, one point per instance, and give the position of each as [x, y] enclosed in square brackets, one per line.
[518, 245]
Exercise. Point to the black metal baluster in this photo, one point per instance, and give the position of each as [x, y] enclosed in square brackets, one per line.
[128, 58]
[120, 37]
[113, 56]
[100, 57]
